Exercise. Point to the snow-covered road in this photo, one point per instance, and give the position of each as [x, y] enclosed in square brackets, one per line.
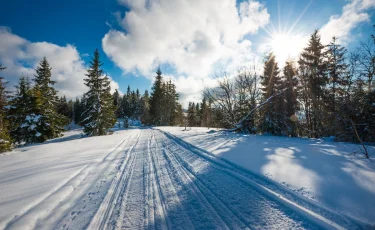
[153, 180]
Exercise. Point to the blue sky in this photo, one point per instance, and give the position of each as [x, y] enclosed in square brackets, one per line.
[190, 40]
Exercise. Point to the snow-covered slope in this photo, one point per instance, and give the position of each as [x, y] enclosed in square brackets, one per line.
[321, 170]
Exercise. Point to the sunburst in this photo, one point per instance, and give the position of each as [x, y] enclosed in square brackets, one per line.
[286, 43]
[285, 46]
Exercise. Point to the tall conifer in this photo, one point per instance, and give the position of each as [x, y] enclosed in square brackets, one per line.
[99, 115]
[50, 123]
[5, 141]
[156, 99]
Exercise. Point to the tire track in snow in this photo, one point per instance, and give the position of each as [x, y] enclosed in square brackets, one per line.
[240, 174]
[175, 213]
[249, 207]
[158, 207]
[131, 202]
[104, 215]
[224, 215]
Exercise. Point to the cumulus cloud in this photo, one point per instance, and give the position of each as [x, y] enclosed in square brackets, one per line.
[190, 88]
[353, 13]
[192, 36]
[114, 85]
[21, 57]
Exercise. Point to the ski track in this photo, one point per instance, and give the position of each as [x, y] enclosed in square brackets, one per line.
[153, 180]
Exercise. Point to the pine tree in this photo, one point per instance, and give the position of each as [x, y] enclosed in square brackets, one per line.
[191, 116]
[133, 105]
[170, 104]
[65, 108]
[145, 109]
[272, 84]
[156, 99]
[117, 103]
[179, 115]
[197, 115]
[99, 115]
[338, 81]
[78, 109]
[124, 107]
[290, 98]
[137, 106]
[50, 123]
[5, 140]
[24, 114]
[204, 113]
[125, 104]
[313, 76]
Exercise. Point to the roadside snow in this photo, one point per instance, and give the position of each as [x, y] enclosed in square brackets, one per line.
[40, 176]
[321, 170]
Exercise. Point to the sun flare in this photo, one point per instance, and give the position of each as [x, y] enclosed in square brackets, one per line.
[285, 46]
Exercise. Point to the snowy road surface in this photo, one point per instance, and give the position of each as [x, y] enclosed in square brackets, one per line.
[147, 180]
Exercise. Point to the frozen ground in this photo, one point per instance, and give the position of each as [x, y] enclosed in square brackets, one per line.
[150, 179]
[321, 170]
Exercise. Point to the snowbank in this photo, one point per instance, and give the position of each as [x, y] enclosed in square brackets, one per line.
[35, 173]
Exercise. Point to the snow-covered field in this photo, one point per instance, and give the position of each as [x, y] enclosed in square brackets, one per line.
[321, 170]
[151, 179]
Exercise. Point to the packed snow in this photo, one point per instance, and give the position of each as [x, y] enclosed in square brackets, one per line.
[330, 173]
[171, 179]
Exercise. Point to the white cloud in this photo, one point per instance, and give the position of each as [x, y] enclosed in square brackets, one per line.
[190, 35]
[21, 57]
[352, 14]
[195, 37]
[190, 88]
[114, 85]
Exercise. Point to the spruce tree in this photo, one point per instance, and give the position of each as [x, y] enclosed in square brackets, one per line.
[204, 113]
[338, 82]
[5, 140]
[272, 112]
[117, 103]
[50, 123]
[145, 109]
[124, 107]
[170, 104]
[197, 115]
[191, 116]
[65, 108]
[313, 76]
[125, 104]
[290, 97]
[179, 115]
[133, 105]
[156, 99]
[24, 114]
[99, 115]
[137, 105]
[77, 111]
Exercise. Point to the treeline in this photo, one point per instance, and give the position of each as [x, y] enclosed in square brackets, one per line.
[159, 108]
[34, 113]
[326, 92]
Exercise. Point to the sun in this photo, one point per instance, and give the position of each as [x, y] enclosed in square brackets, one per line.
[285, 46]
[281, 47]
